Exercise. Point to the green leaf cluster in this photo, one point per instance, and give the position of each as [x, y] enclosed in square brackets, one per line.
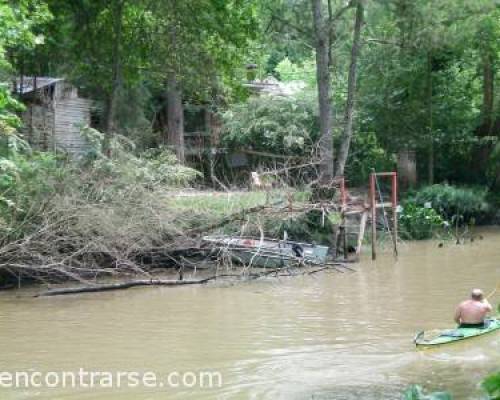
[416, 392]
[492, 386]
[116, 161]
[18, 21]
[274, 124]
[417, 222]
[289, 71]
[462, 205]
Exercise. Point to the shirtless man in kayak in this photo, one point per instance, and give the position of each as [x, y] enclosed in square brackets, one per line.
[471, 313]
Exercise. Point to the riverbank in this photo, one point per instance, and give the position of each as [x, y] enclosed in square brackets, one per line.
[144, 232]
[137, 234]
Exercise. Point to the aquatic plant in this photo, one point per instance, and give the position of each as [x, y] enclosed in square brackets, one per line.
[491, 385]
[416, 392]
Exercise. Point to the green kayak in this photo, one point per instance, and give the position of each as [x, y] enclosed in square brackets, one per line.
[457, 334]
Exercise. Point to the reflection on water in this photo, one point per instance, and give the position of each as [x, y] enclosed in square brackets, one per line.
[324, 336]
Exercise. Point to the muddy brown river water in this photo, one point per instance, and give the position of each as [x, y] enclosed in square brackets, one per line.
[324, 336]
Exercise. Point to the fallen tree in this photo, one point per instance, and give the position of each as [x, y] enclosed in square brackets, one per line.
[244, 275]
[119, 218]
[123, 285]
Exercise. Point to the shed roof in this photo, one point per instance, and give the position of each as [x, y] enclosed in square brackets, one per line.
[31, 84]
[274, 87]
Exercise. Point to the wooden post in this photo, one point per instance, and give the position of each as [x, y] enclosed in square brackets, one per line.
[374, 215]
[344, 242]
[361, 235]
[337, 238]
[343, 194]
[395, 212]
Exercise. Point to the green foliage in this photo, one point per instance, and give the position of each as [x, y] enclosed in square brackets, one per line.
[415, 392]
[456, 204]
[279, 125]
[492, 386]
[419, 222]
[115, 159]
[9, 121]
[305, 72]
[420, 86]
[367, 154]
[27, 181]
[17, 23]
[30, 180]
[160, 166]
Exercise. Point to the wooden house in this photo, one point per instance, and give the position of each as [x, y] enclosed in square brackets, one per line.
[54, 114]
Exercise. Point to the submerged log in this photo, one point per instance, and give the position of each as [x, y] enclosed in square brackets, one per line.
[179, 282]
[124, 285]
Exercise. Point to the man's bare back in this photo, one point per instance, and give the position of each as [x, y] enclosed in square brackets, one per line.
[474, 310]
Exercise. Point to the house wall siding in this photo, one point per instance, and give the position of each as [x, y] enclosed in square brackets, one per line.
[39, 126]
[54, 118]
[70, 116]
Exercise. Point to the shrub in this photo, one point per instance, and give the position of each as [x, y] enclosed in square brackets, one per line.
[27, 181]
[456, 204]
[31, 182]
[123, 166]
[419, 222]
[280, 125]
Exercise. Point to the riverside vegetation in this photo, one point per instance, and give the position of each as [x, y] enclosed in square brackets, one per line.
[104, 215]
[400, 75]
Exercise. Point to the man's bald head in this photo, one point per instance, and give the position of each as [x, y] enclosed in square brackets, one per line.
[477, 294]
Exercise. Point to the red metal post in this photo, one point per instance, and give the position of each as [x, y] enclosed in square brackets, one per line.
[394, 189]
[395, 211]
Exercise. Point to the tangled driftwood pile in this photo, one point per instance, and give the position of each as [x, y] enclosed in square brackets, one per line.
[134, 238]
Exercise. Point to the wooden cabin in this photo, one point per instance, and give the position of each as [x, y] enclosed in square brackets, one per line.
[54, 114]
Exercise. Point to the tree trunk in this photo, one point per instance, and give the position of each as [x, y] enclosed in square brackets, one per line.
[488, 96]
[175, 117]
[430, 161]
[117, 11]
[407, 169]
[175, 109]
[322, 45]
[331, 32]
[124, 285]
[483, 151]
[345, 141]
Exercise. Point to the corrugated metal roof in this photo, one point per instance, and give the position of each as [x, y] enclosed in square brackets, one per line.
[30, 83]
